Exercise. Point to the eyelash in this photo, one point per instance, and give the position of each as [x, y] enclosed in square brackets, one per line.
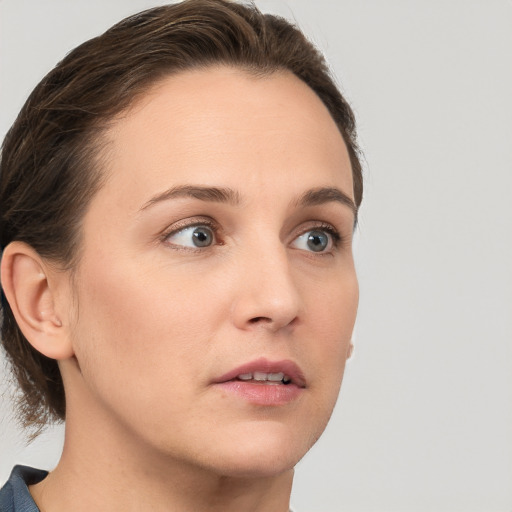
[333, 233]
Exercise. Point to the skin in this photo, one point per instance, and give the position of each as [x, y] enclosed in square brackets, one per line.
[148, 320]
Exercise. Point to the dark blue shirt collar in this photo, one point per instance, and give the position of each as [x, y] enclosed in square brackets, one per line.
[14, 495]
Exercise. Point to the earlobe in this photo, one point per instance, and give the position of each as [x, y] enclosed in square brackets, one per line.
[350, 350]
[29, 286]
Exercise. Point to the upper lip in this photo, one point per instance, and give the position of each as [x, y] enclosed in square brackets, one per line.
[289, 368]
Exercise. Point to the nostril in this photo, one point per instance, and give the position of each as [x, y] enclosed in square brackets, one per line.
[259, 319]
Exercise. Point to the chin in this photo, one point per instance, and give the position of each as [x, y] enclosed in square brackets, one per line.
[262, 452]
[247, 467]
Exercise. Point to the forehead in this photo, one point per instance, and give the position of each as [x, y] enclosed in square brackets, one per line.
[224, 126]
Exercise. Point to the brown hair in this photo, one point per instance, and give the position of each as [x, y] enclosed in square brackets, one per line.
[49, 168]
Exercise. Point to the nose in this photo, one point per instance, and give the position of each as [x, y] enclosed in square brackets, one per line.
[267, 294]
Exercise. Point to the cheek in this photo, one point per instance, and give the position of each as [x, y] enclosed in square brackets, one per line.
[135, 323]
[331, 317]
[138, 341]
[331, 309]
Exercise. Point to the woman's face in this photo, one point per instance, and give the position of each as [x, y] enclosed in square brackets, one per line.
[219, 253]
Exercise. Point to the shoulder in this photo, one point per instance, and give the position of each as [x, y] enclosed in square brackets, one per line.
[14, 495]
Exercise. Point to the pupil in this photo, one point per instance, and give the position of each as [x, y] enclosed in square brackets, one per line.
[317, 241]
[202, 237]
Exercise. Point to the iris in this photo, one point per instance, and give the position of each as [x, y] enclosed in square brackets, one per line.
[317, 241]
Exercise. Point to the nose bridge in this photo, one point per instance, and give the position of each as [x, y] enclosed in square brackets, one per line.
[268, 294]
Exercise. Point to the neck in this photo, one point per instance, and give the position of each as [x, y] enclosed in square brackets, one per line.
[110, 489]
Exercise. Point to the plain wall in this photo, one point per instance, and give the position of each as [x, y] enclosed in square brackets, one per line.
[424, 421]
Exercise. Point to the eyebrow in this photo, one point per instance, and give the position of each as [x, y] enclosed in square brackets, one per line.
[322, 195]
[211, 194]
[312, 197]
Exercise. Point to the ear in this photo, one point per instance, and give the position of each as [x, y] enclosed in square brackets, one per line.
[31, 287]
[350, 350]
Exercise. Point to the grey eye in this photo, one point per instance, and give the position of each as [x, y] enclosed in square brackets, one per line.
[317, 241]
[192, 236]
[202, 236]
[314, 240]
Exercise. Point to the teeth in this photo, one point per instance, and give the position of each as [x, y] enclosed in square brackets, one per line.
[262, 377]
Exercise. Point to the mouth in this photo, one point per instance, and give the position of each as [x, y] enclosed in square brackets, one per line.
[264, 371]
[265, 378]
[264, 382]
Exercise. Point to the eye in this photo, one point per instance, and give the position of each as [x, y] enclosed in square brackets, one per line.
[315, 240]
[192, 236]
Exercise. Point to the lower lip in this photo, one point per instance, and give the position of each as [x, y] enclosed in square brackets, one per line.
[262, 394]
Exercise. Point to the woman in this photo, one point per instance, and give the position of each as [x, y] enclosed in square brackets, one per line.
[178, 201]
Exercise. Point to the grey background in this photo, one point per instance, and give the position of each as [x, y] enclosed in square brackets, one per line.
[424, 421]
